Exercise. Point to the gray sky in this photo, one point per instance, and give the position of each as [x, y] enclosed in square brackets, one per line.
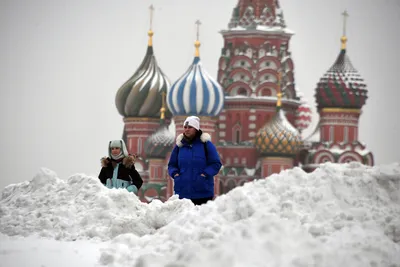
[62, 63]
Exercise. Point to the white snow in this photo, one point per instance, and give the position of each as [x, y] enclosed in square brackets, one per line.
[250, 171]
[339, 215]
[261, 28]
[260, 98]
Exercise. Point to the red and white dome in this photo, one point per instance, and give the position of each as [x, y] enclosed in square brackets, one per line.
[303, 115]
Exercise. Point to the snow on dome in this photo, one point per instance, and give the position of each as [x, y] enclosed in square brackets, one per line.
[341, 86]
[159, 143]
[196, 93]
[339, 215]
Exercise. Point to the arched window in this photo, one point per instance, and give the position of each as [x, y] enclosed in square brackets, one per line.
[221, 187]
[231, 184]
[236, 133]
[237, 136]
[242, 91]
[268, 47]
[266, 92]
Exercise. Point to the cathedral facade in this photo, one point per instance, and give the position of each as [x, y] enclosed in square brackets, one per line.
[252, 110]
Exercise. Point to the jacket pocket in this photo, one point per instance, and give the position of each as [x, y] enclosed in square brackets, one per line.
[202, 184]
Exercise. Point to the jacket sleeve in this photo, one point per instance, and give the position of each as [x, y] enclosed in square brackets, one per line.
[213, 161]
[135, 176]
[173, 162]
[102, 175]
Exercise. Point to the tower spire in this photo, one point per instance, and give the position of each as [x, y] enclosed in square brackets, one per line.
[150, 32]
[197, 42]
[344, 37]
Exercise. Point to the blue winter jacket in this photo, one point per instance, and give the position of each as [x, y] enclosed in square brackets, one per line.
[190, 161]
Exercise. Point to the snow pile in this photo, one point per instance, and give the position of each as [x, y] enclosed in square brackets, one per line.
[79, 208]
[338, 215]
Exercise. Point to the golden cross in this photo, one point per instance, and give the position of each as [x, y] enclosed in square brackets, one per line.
[151, 16]
[198, 23]
[345, 15]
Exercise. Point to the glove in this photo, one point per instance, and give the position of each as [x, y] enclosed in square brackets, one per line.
[132, 188]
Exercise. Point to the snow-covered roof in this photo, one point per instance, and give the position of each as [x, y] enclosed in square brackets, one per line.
[259, 29]
[262, 98]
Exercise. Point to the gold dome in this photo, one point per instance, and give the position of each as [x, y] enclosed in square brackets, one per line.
[278, 137]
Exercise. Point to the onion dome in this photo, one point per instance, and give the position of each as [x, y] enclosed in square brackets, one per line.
[161, 141]
[341, 86]
[196, 92]
[278, 137]
[303, 115]
[141, 95]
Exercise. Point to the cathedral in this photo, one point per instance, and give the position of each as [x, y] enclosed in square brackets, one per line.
[252, 110]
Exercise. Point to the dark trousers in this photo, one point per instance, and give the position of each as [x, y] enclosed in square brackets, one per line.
[200, 201]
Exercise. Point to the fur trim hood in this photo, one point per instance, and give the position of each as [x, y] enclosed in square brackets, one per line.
[204, 137]
[128, 161]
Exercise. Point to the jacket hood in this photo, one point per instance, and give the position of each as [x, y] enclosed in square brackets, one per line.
[118, 143]
[204, 137]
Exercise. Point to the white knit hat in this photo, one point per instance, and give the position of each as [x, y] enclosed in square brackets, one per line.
[192, 121]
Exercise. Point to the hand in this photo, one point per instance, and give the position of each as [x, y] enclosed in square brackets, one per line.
[202, 175]
[176, 175]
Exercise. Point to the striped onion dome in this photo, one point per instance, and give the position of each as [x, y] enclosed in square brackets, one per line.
[278, 137]
[196, 92]
[141, 95]
[159, 143]
[303, 115]
[341, 86]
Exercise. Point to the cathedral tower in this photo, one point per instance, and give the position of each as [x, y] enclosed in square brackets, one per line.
[139, 101]
[256, 48]
[341, 93]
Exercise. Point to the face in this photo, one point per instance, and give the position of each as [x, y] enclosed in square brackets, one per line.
[189, 131]
[115, 151]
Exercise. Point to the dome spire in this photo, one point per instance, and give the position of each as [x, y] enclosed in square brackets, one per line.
[163, 109]
[197, 42]
[141, 94]
[196, 92]
[343, 39]
[279, 93]
[341, 86]
[150, 32]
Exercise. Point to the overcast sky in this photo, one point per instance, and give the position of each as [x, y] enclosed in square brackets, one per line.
[62, 63]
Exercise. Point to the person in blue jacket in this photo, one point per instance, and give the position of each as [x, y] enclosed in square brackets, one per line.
[193, 163]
